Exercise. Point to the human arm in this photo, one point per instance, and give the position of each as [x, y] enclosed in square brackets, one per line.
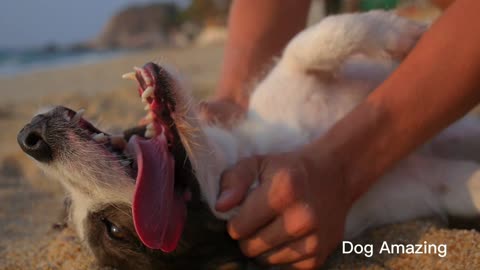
[437, 83]
[258, 31]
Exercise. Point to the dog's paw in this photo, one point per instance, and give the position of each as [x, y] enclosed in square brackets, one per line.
[401, 43]
[397, 35]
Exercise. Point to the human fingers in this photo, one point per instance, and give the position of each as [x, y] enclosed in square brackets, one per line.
[295, 251]
[236, 182]
[312, 263]
[277, 191]
[294, 223]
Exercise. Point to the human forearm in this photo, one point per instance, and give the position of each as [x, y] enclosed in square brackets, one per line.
[258, 31]
[443, 4]
[435, 85]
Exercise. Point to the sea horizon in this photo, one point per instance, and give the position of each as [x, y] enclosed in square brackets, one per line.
[20, 61]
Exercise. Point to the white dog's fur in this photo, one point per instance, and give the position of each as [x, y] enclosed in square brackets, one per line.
[324, 72]
[295, 104]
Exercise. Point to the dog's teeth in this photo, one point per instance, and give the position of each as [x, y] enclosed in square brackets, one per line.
[66, 115]
[100, 137]
[125, 163]
[129, 76]
[149, 133]
[145, 77]
[147, 107]
[78, 115]
[147, 93]
[149, 116]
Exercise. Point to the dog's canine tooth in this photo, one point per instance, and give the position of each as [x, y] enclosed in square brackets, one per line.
[144, 75]
[100, 137]
[150, 126]
[149, 116]
[146, 79]
[129, 76]
[149, 133]
[78, 115]
[125, 163]
[147, 107]
[147, 93]
[66, 115]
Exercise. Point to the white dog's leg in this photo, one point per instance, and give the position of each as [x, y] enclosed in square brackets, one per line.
[420, 186]
[459, 141]
[324, 47]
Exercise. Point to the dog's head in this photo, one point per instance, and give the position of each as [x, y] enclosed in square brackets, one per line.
[138, 199]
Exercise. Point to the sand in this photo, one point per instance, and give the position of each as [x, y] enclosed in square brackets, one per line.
[31, 203]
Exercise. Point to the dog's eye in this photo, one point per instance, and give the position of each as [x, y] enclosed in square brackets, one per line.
[114, 231]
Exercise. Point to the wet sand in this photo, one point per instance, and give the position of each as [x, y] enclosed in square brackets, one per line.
[31, 203]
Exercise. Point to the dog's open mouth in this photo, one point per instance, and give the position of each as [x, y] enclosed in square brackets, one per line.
[159, 203]
[158, 211]
[152, 155]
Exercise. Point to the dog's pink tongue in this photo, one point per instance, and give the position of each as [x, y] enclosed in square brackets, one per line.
[158, 213]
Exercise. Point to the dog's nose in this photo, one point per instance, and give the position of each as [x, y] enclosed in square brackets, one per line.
[32, 141]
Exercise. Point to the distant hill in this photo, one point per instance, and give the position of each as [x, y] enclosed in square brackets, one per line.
[139, 26]
[159, 24]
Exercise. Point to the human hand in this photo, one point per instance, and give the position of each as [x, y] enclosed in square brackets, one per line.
[295, 217]
[221, 111]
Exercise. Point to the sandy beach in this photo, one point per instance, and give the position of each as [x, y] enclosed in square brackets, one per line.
[31, 203]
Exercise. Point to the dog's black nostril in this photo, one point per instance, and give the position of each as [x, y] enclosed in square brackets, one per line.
[32, 140]
[32, 143]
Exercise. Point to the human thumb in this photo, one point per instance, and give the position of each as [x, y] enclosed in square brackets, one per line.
[236, 182]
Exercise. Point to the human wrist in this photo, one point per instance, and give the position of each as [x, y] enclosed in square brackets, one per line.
[235, 101]
[326, 168]
[229, 93]
[358, 143]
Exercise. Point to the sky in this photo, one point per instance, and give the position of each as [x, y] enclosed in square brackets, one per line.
[31, 23]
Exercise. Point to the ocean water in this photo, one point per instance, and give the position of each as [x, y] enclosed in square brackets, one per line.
[14, 62]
